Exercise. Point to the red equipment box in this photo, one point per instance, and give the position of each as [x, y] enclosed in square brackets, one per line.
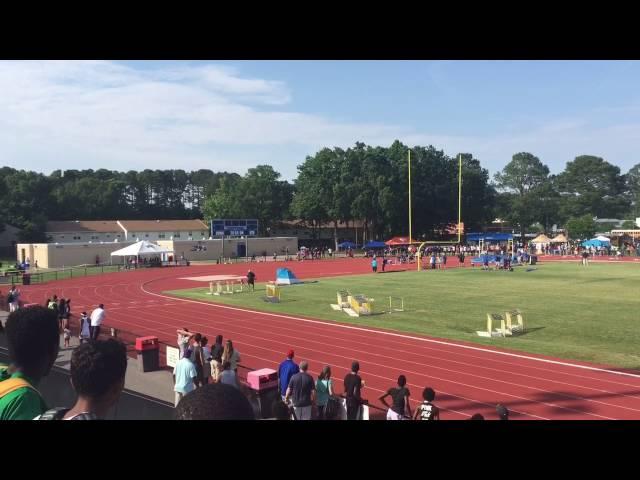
[146, 343]
[262, 379]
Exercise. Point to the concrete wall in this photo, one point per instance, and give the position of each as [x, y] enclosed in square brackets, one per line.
[214, 247]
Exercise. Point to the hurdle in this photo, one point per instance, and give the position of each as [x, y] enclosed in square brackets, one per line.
[507, 326]
[223, 288]
[343, 300]
[490, 331]
[361, 305]
[396, 304]
[272, 293]
[517, 327]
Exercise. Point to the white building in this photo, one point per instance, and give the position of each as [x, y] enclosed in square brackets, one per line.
[96, 231]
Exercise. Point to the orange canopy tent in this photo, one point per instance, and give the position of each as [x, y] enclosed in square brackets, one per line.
[396, 241]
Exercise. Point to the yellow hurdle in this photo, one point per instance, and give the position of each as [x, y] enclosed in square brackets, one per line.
[273, 291]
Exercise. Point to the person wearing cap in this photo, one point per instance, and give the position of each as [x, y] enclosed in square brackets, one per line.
[185, 376]
[502, 411]
[301, 390]
[287, 369]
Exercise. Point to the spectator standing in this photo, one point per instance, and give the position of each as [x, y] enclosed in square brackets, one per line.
[353, 385]
[197, 357]
[228, 376]
[184, 336]
[97, 376]
[384, 263]
[374, 265]
[13, 298]
[85, 331]
[215, 402]
[33, 341]
[66, 332]
[444, 260]
[53, 304]
[287, 369]
[231, 355]
[184, 377]
[216, 358]
[427, 410]
[302, 392]
[324, 390]
[62, 311]
[206, 355]
[97, 317]
[400, 408]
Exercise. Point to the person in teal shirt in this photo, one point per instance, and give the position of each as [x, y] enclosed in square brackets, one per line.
[33, 340]
[374, 264]
[324, 389]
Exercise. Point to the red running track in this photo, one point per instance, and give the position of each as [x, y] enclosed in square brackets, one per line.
[468, 378]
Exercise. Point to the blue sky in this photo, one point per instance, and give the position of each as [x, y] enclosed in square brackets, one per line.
[234, 115]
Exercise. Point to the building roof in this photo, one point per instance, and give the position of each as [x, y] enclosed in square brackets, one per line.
[163, 225]
[100, 226]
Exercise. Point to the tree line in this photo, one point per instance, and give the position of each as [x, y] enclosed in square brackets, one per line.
[363, 183]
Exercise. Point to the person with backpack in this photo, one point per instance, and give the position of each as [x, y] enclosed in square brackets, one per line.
[97, 375]
[427, 410]
[33, 341]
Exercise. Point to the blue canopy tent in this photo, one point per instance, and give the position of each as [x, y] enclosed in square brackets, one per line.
[347, 245]
[594, 242]
[375, 244]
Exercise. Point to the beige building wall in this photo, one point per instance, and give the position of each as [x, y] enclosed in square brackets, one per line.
[51, 255]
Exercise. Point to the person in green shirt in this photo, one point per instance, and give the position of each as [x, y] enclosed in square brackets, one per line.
[33, 341]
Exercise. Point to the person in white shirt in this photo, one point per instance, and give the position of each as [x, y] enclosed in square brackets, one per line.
[13, 299]
[97, 317]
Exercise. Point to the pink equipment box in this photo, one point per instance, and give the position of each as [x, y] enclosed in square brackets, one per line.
[262, 379]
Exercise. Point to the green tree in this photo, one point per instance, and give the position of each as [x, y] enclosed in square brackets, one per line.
[521, 183]
[590, 185]
[633, 186]
[583, 227]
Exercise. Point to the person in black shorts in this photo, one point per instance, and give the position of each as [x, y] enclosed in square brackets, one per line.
[251, 280]
[353, 383]
[400, 408]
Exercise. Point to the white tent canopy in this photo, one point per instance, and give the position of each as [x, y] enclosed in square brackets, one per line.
[140, 248]
[602, 238]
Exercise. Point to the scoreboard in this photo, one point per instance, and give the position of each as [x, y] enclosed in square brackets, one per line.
[234, 228]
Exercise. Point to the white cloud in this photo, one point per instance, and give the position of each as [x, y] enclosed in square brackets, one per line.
[98, 114]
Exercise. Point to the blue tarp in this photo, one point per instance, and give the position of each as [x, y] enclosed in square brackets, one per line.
[375, 244]
[347, 245]
[594, 242]
[489, 237]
